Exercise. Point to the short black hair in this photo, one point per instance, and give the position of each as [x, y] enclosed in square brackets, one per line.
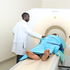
[54, 34]
[24, 14]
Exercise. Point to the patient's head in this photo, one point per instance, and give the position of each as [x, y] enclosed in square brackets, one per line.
[54, 34]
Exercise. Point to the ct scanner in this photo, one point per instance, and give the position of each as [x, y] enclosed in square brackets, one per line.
[46, 21]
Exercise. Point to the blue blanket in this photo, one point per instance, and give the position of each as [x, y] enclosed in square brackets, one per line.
[51, 42]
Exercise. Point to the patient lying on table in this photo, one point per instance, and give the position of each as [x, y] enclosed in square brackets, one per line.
[51, 44]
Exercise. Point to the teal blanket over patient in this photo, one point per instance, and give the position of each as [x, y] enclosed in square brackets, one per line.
[50, 42]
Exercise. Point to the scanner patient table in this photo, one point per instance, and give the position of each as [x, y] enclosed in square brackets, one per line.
[29, 64]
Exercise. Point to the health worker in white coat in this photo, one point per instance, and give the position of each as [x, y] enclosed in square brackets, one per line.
[20, 31]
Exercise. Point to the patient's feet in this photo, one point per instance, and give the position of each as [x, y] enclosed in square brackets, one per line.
[32, 55]
[45, 55]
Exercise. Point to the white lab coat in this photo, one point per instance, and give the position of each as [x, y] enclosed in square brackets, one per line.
[20, 31]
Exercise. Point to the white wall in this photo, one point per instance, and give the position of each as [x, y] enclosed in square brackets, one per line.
[56, 3]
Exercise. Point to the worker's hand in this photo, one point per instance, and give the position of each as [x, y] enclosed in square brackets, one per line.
[43, 36]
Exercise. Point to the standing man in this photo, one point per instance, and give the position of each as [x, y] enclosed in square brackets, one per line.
[20, 31]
